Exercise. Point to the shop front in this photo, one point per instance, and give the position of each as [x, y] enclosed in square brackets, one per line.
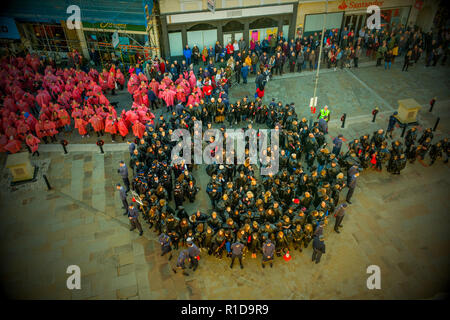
[225, 26]
[132, 39]
[352, 14]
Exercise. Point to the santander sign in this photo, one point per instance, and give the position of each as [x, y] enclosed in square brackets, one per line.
[359, 4]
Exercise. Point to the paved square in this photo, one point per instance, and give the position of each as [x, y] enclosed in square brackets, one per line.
[399, 223]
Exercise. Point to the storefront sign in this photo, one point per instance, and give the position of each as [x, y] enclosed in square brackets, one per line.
[346, 4]
[113, 26]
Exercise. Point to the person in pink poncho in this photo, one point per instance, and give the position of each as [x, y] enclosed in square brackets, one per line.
[133, 83]
[13, 145]
[112, 83]
[50, 128]
[120, 78]
[169, 98]
[97, 124]
[33, 143]
[122, 127]
[111, 127]
[181, 94]
[138, 129]
[81, 124]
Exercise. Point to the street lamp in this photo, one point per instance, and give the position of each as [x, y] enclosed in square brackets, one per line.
[313, 102]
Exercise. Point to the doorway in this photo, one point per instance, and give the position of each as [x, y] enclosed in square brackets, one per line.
[355, 22]
[233, 30]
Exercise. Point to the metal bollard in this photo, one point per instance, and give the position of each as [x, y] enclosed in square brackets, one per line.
[49, 187]
[436, 124]
[100, 143]
[432, 102]
[404, 129]
[344, 116]
[374, 113]
[64, 143]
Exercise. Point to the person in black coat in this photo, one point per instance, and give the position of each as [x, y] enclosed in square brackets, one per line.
[391, 125]
[237, 249]
[339, 214]
[152, 98]
[351, 186]
[268, 251]
[319, 248]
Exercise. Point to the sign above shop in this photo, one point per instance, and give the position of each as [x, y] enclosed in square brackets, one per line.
[355, 4]
[113, 26]
[212, 5]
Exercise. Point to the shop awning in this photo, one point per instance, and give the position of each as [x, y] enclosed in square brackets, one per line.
[53, 11]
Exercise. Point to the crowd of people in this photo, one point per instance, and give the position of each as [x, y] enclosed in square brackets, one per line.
[252, 214]
[40, 101]
[249, 214]
[276, 54]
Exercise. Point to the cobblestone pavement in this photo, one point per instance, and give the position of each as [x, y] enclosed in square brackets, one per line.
[399, 223]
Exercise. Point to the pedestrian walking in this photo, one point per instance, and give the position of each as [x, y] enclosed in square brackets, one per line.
[165, 242]
[123, 171]
[337, 145]
[181, 262]
[318, 248]
[391, 124]
[123, 197]
[194, 254]
[351, 187]
[339, 215]
[133, 216]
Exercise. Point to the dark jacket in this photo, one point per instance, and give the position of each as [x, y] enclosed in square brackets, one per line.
[268, 251]
[319, 245]
[123, 194]
[123, 171]
[151, 95]
[133, 213]
[237, 248]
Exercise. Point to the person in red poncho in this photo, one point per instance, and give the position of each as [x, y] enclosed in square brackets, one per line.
[138, 129]
[13, 145]
[81, 124]
[97, 124]
[112, 83]
[50, 128]
[40, 131]
[122, 127]
[120, 78]
[111, 127]
[64, 119]
[33, 143]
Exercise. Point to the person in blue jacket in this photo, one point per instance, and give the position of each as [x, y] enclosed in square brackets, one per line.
[244, 72]
[187, 52]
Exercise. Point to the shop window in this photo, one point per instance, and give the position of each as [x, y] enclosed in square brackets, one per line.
[202, 26]
[263, 23]
[233, 26]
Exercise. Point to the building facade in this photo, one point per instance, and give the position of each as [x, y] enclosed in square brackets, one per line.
[353, 14]
[42, 26]
[192, 22]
